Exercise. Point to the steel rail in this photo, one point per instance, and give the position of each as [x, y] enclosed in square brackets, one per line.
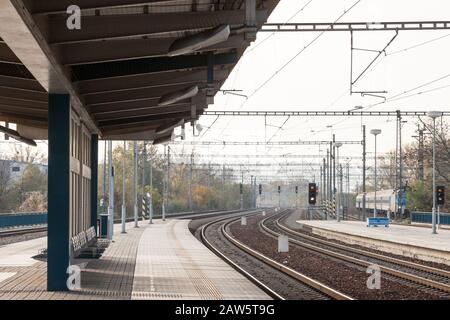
[400, 262]
[396, 273]
[208, 244]
[291, 272]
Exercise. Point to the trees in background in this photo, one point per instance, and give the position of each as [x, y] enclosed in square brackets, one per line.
[25, 194]
[212, 188]
[417, 167]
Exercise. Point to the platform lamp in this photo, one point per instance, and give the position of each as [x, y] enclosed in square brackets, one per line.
[375, 132]
[433, 115]
[338, 145]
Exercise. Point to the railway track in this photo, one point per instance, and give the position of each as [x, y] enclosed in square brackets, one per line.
[21, 231]
[277, 280]
[432, 280]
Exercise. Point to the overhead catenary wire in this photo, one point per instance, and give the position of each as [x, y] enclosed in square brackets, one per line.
[264, 83]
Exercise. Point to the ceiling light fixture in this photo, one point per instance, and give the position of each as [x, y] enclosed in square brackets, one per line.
[174, 97]
[199, 41]
[15, 135]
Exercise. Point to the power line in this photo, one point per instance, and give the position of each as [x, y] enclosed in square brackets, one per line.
[291, 60]
[300, 52]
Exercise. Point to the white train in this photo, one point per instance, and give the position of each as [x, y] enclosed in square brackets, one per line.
[385, 201]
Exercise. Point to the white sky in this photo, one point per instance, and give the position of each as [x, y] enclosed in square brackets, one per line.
[318, 79]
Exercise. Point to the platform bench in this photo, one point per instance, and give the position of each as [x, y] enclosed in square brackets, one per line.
[375, 222]
[86, 245]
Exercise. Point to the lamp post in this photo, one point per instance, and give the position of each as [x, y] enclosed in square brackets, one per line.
[338, 207]
[124, 207]
[135, 165]
[111, 193]
[375, 132]
[433, 115]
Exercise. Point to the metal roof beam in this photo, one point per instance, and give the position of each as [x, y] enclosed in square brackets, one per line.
[129, 95]
[106, 51]
[21, 83]
[149, 65]
[60, 6]
[146, 119]
[101, 28]
[127, 114]
[26, 40]
[147, 81]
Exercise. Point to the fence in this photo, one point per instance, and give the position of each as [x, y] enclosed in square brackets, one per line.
[22, 219]
[425, 217]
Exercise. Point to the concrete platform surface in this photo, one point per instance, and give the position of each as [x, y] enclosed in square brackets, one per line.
[159, 261]
[172, 264]
[415, 242]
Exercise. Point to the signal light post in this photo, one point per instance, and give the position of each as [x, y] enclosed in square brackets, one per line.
[433, 115]
[440, 201]
[241, 187]
[260, 193]
[312, 196]
[279, 196]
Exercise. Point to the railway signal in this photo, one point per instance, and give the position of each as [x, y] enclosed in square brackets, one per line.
[440, 195]
[279, 189]
[296, 189]
[260, 189]
[241, 189]
[312, 193]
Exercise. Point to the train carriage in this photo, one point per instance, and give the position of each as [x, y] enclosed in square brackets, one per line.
[385, 201]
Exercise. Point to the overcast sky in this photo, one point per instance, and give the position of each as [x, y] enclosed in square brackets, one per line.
[318, 78]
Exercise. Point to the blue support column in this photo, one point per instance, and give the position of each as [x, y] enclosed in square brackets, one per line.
[94, 179]
[58, 191]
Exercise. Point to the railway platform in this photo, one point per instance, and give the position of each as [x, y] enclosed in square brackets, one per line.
[404, 240]
[162, 261]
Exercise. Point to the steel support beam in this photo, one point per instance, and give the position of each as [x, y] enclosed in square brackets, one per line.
[94, 179]
[321, 113]
[148, 65]
[22, 35]
[146, 81]
[258, 143]
[100, 28]
[60, 6]
[107, 51]
[356, 26]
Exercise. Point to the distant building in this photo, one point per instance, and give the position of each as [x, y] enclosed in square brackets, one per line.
[16, 169]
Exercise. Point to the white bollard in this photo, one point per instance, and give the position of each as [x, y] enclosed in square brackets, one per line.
[283, 243]
[243, 221]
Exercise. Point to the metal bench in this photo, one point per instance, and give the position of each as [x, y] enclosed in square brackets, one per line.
[375, 222]
[85, 245]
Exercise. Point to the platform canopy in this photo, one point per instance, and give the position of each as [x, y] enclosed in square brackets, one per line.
[135, 70]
